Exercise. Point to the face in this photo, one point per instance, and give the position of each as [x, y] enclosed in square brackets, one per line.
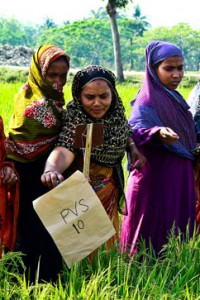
[57, 72]
[96, 98]
[170, 72]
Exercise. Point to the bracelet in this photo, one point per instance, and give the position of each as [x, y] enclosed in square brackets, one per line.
[132, 143]
[47, 172]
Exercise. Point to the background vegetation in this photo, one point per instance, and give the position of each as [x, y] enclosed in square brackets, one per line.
[174, 276]
[89, 41]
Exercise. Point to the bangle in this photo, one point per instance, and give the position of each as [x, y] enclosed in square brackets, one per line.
[47, 172]
[132, 143]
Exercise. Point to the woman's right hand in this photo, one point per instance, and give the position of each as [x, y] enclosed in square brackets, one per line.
[58, 161]
[51, 178]
[168, 136]
[8, 175]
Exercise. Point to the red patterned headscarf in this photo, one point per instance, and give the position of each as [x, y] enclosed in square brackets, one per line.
[38, 108]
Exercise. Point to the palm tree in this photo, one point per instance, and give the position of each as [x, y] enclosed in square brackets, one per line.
[100, 14]
[137, 15]
[111, 9]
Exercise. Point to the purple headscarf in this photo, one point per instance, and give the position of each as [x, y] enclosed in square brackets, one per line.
[156, 105]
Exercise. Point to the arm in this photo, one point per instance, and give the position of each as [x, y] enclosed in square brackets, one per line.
[157, 136]
[58, 161]
[136, 159]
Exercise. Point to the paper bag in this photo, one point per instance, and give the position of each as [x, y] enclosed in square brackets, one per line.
[75, 218]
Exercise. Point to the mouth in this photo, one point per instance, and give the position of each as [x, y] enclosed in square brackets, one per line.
[175, 82]
[97, 111]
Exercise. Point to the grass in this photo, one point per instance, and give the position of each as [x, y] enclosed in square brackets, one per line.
[175, 275]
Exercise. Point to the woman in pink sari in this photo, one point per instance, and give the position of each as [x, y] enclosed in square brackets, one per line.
[161, 195]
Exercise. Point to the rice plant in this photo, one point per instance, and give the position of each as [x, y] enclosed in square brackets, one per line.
[174, 275]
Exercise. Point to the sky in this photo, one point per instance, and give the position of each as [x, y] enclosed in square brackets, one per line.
[158, 13]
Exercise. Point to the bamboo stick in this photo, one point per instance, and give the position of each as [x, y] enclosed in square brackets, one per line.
[88, 146]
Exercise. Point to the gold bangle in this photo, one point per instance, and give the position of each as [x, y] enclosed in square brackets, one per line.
[132, 143]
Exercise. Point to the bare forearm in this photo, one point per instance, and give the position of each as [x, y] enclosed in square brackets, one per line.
[59, 160]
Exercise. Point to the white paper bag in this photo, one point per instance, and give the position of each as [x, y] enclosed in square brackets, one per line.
[75, 218]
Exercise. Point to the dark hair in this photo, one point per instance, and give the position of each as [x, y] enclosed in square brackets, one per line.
[156, 65]
[63, 58]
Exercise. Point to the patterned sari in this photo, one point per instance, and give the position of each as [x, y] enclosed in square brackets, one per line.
[9, 202]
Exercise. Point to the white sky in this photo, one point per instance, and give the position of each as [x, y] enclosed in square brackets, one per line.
[158, 12]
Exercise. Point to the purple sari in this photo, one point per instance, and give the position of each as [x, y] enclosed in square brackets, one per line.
[162, 193]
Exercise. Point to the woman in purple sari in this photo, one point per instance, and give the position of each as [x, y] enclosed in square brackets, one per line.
[160, 195]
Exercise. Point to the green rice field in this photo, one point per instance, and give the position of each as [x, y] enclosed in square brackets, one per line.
[175, 275]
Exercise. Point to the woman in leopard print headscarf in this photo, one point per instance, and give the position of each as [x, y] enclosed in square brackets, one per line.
[95, 100]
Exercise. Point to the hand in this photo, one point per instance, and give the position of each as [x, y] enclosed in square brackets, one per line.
[137, 159]
[168, 136]
[8, 175]
[51, 178]
[195, 151]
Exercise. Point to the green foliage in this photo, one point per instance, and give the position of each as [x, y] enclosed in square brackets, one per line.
[174, 275]
[181, 34]
[14, 33]
[11, 75]
[89, 41]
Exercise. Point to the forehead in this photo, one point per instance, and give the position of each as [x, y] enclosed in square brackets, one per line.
[59, 64]
[173, 61]
[97, 83]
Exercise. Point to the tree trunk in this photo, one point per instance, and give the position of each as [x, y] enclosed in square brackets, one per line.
[111, 11]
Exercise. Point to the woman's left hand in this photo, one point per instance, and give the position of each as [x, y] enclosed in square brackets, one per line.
[8, 175]
[137, 159]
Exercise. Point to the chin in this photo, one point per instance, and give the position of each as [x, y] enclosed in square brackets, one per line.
[98, 116]
[173, 87]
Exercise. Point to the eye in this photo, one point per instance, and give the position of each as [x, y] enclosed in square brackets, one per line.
[89, 97]
[180, 68]
[51, 75]
[168, 69]
[104, 96]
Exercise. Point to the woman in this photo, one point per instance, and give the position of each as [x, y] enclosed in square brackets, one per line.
[9, 198]
[194, 102]
[34, 129]
[95, 100]
[162, 193]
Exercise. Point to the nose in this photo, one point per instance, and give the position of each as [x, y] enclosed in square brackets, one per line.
[96, 102]
[60, 81]
[176, 73]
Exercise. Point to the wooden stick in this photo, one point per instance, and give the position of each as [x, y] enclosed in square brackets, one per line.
[88, 146]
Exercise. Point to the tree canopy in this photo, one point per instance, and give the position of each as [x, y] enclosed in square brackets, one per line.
[89, 41]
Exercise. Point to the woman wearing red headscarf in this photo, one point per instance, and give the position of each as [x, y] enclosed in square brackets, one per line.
[34, 128]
